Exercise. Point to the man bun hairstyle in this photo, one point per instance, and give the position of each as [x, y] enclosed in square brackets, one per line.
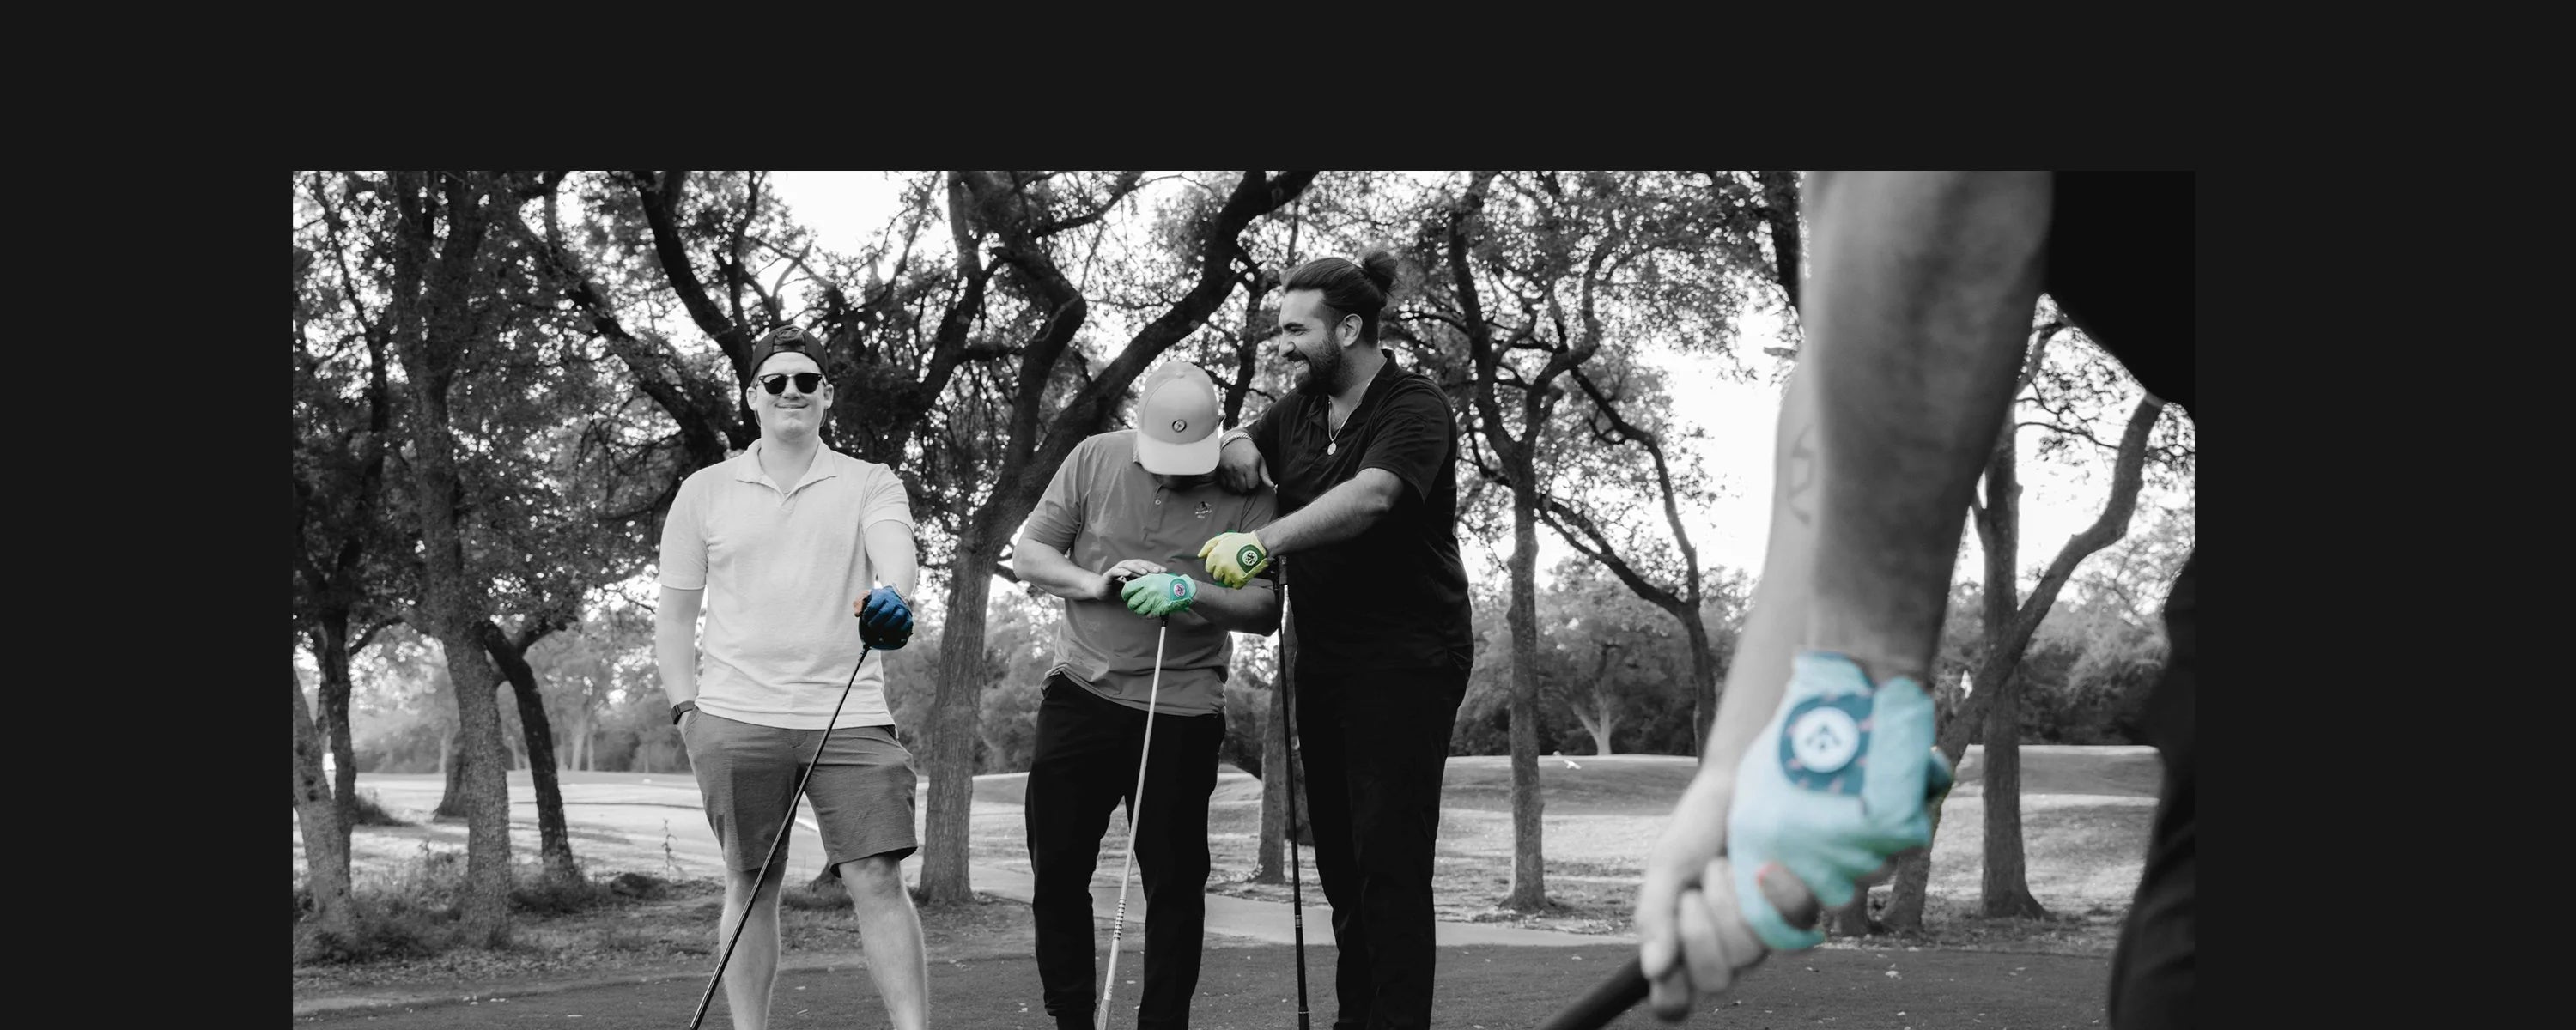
[1350, 287]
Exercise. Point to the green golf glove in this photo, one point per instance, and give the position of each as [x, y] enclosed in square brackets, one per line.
[1159, 594]
[1234, 558]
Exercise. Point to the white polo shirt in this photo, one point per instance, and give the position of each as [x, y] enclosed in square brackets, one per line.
[780, 569]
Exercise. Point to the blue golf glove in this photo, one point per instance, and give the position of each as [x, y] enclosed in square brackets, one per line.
[1839, 783]
[1159, 594]
[885, 622]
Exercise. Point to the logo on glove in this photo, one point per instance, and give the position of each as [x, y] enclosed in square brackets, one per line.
[1821, 741]
[1248, 557]
[1180, 589]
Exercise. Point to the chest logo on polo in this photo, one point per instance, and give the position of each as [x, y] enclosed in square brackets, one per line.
[1202, 510]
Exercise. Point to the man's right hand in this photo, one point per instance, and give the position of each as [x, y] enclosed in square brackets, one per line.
[1694, 941]
[1239, 468]
[1113, 583]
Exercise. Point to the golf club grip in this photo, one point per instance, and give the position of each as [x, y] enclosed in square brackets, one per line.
[1617, 993]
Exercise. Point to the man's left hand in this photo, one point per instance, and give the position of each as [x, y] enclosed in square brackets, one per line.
[1234, 558]
[1160, 594]
[885, 621]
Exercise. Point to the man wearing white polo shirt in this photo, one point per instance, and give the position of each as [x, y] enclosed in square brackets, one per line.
[774, 545]
[1114, 535]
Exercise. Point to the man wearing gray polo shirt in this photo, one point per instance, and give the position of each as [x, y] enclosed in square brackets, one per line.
[773, 545]
[1114, 536]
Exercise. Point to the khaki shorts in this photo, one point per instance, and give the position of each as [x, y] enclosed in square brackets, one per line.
[861, 791]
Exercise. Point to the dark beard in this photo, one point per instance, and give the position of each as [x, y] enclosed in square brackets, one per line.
[1320, 376]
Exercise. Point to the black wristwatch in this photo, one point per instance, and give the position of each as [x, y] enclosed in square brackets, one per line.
[683, 708]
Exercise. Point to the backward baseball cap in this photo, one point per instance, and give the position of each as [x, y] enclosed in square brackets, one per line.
[1176, 421]
[785, 339]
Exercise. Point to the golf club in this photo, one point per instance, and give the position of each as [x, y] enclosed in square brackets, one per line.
[1288, 756]
[1626, 985]
[1135, 818]
[781, 841]
[1615, 994]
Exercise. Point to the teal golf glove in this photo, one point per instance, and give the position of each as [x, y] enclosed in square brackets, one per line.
[1839, 783]
[1159, 594]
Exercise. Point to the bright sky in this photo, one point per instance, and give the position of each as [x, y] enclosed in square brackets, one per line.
[844, 208]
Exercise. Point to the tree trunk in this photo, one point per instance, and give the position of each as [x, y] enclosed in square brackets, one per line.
[1706, 674]
[952, 732]
[1852, 920]
[1529, 865]
[2007, 883]
[326, 840]
[331, 654]
[432, 327]
[482, 761]
[1914, 875]
[451, 800]
[1597, 730]
[554, 845]
[2006, 891]
[2008, 629]
[1272, 864]
[1605, 720]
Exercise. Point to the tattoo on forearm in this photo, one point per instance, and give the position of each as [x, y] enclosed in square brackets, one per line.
[1802, 478]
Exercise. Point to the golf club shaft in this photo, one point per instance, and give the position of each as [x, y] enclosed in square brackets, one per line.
[1288, 756]
[779, 842]
[1135, 819]
[1619, 992]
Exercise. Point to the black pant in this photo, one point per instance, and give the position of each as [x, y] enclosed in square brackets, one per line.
[1374, 743]
[2151, 972]
[1085, 767]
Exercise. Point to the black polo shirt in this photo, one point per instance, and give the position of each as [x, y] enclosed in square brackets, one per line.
[1394, 596]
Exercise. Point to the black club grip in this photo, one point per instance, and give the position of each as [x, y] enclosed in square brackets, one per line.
[1615, 994]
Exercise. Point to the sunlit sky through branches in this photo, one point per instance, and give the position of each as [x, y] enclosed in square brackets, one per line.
[2059, 498]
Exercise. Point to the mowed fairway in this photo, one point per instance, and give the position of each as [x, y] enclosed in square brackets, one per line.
[1255, 989]
[2085, 813]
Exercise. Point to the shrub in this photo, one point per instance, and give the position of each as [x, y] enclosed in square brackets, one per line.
[372, 812]
[536, 893]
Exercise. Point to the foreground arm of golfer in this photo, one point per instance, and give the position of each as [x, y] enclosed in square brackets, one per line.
[1916, 311]
[1693, 939]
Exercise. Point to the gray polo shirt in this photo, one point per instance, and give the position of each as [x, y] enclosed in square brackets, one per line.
[1103, 508]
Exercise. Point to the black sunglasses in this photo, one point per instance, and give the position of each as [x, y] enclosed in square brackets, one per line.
[776, 382]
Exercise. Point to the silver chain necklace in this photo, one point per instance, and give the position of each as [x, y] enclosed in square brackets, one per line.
[1333, 439]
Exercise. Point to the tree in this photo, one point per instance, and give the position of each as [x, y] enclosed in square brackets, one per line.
[326, 842]
[441, 224]
[1609, 653]
[2082, 387]
[545, 509]
[344, 423]
[1569, 261]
